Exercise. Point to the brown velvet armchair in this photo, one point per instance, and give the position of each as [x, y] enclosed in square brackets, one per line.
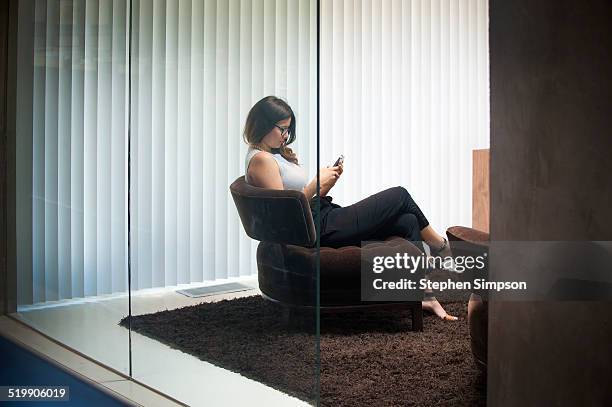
[466, 241]
[287, 255]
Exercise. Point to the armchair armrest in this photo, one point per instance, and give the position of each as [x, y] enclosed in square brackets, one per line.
[468, 235]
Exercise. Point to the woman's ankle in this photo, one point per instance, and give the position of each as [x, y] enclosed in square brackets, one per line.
[439, 248]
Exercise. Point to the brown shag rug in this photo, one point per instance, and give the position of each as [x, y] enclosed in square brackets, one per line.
[366, 359]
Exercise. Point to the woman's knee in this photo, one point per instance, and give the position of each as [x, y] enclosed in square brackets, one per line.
[400, 194]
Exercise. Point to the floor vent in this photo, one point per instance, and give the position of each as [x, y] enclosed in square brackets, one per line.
[215, 289]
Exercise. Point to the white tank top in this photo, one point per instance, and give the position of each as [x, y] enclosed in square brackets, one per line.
[293, 176]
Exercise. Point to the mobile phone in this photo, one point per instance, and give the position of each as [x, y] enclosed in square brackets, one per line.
[339, 161]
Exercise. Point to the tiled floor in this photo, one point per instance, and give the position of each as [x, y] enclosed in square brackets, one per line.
[92, 328]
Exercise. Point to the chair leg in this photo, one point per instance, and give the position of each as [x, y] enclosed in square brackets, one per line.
[417, 317]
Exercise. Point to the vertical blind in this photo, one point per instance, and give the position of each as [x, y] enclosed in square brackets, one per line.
[198, 67]
[71, 149]
[405, 97]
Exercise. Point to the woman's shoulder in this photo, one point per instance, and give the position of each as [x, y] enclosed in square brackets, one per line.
[260, 156]
[259, 159]
[260, 165]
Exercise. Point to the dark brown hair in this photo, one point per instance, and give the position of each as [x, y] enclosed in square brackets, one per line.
[261, 120]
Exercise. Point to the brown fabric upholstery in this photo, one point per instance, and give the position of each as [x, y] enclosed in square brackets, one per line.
[470, 235]
[273, 215]
[287, 273]
[466, 241]
[478, 316]
[287, 261]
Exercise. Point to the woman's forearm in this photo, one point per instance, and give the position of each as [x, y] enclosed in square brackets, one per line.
[310, 189]
[323, 189]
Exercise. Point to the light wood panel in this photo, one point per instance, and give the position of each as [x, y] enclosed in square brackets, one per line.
[480, 189]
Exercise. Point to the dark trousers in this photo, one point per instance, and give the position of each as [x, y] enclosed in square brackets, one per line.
[391, 212]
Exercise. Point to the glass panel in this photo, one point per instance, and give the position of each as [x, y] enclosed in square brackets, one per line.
[404, 97]
[218, 317]
[71, 208]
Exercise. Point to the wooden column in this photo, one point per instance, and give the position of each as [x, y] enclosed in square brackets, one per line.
[550, 93]
[480, 189]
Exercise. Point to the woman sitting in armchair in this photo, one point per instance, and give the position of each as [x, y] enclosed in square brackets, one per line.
[270, 163]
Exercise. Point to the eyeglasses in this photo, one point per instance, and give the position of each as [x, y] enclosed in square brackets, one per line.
[283, 130]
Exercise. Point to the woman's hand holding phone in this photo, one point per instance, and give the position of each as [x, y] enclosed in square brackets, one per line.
[328, 177]
[339, 165]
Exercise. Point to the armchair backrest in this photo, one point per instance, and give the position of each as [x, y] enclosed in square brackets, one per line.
[276, 216]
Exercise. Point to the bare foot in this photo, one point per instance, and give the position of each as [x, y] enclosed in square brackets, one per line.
[433, 306]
